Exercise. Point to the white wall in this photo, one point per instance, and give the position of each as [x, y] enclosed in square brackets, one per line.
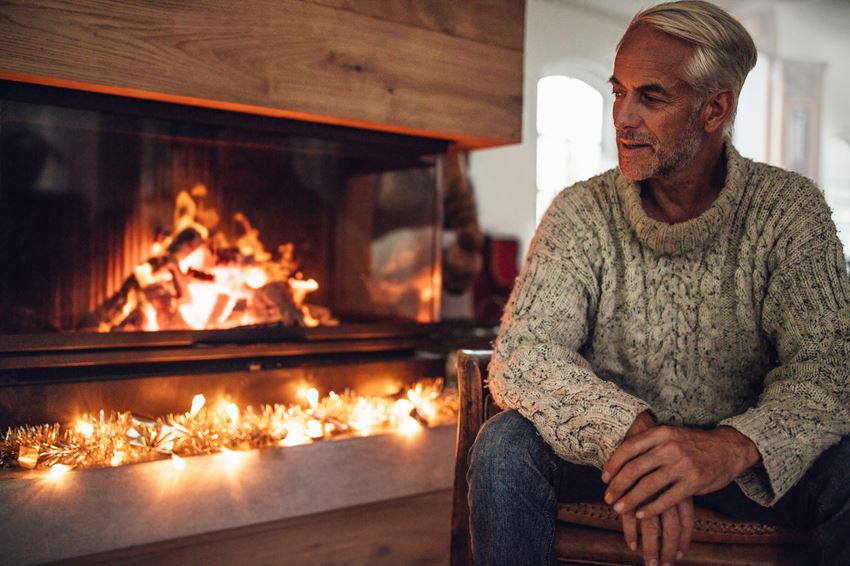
[577, 38]
[820, 32]
[559, 38]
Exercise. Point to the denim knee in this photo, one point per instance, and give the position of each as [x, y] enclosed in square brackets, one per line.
[508, 445]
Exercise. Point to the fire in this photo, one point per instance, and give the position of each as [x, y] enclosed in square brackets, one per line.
[225, 427]
[198, 278]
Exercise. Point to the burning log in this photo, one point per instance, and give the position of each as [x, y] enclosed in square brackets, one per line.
[196, 279]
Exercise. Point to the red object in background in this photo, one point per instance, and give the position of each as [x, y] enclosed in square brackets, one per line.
[494, 283]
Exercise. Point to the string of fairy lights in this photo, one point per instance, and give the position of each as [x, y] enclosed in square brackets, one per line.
[116, 438]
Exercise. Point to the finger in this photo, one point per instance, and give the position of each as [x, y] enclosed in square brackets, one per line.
[677, 493]
[649, 532]
[630, 530]
[647, 489]
[670, 528]
[686, 518]
[629, 474]
[630, 448]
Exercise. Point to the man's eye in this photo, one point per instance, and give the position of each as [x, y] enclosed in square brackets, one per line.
[617, 94]
[651, 99]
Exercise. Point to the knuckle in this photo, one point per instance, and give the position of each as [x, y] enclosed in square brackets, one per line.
[673, 448]
[651, 527]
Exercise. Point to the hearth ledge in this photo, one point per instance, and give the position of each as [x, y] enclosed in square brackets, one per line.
[90, 511]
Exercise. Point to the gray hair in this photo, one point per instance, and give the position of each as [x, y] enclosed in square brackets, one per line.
[723, 50]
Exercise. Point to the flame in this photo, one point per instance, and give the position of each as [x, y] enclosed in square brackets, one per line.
[300, 289]
[201, 279]
[255, 277]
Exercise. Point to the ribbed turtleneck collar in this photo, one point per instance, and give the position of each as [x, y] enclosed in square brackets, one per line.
[683, 237]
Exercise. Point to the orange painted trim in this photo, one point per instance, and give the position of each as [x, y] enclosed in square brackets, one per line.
[459, 141]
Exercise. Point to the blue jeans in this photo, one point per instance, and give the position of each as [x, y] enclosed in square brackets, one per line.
[516, 480]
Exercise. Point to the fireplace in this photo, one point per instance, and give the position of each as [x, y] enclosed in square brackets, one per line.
[102, 197]
[324, 123]
[155, 255]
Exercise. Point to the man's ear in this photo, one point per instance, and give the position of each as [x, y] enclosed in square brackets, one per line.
[717, 109]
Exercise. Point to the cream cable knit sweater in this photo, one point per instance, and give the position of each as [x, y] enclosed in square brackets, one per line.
[738, 317]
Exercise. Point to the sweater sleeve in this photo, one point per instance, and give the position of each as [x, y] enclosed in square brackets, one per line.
[804, 406]
[536, 368]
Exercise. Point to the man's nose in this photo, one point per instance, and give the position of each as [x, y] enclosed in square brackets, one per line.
[626, 114]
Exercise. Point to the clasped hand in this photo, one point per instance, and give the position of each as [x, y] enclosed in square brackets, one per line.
[654, 473]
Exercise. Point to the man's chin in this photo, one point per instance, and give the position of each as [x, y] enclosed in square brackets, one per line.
[633, 172]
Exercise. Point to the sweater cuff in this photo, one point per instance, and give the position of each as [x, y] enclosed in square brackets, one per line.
[768, 481]
[627, 409]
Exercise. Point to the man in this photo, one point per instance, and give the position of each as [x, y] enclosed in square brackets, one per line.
[681, 323]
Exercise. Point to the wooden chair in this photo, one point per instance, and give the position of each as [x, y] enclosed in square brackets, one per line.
[590, 533]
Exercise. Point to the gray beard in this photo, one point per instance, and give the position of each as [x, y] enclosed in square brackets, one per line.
[684, 150]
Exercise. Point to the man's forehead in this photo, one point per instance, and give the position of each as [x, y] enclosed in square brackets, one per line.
[650, 57]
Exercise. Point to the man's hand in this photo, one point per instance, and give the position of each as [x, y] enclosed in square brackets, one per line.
[668, 535]
[671, 532]
[662, 466]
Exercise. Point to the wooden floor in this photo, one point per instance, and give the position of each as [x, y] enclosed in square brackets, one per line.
[408, 531]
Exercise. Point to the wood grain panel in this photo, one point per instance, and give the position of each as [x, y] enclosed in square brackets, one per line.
[286, 57]
[497, 22]
[412, 530]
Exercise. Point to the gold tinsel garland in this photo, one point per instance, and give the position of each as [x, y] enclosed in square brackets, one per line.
[121, 438]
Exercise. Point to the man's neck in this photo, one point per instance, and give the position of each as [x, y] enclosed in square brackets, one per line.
[688, 192]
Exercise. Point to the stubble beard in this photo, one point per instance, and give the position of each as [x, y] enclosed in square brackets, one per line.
[664, 160]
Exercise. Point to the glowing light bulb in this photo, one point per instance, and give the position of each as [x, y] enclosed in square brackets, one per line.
[402, 408]
[313, 397]
[59, 470]
[232, 412]
[85, 428]
[197, 403]
[178, 462]
[409, 426]
[231, 457]
[315, 430]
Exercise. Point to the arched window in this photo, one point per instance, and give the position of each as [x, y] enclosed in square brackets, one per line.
[569, 135]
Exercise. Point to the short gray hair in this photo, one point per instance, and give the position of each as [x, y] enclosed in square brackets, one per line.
[723, 50]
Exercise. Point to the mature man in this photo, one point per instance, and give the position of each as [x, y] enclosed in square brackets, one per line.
[682, 323]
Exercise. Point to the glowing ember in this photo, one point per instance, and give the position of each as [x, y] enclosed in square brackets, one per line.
[224, 427]
[198, 278]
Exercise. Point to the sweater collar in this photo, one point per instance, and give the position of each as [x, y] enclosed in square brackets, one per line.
[683, 237]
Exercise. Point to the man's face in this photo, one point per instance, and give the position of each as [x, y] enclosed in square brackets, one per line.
[656, 114]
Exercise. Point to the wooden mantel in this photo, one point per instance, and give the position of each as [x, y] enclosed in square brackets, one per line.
[438, 68]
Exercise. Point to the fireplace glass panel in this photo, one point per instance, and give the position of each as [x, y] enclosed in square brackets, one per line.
[129, 216]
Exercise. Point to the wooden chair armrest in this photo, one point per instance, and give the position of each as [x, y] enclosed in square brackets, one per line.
[474, 405]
